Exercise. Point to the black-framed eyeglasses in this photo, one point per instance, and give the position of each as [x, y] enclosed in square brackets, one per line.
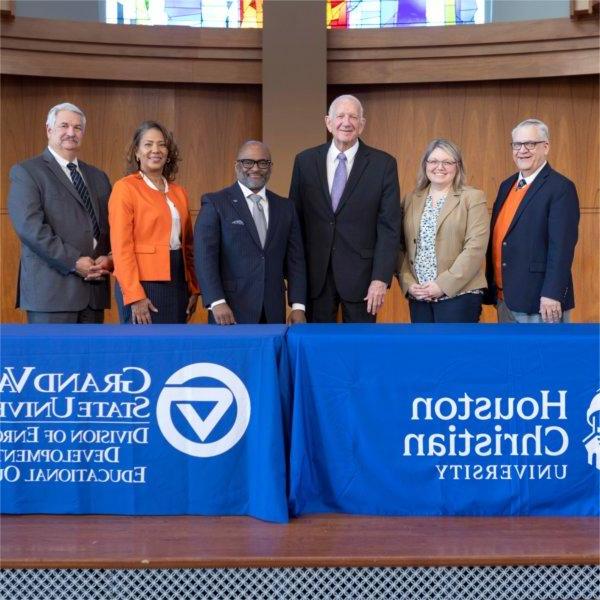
[248, 163]
[529, 145]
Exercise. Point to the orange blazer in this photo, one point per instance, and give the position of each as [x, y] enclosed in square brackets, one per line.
[140, 229]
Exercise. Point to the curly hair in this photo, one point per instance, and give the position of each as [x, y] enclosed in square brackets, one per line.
[171, 166]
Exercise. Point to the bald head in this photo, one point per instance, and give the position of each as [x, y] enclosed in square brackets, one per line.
[253, 165]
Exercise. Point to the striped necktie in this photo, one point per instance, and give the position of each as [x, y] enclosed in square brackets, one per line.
[85, 197]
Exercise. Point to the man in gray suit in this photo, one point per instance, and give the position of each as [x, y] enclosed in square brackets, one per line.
[58, 207]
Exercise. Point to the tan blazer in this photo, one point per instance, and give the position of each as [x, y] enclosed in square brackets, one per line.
[461, 240]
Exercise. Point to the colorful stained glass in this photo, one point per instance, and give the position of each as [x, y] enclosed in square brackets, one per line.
[402, 13]
[251, 13]
[341, 14]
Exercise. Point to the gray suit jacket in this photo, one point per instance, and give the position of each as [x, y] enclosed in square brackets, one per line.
[55, 230]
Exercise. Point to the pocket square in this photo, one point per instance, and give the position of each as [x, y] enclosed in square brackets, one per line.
[238, 222]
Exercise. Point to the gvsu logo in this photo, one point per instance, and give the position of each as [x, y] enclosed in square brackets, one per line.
[592, 441]
[186, 399]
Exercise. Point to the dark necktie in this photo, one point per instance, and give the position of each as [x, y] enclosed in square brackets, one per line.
[85, 196]
[522, 183]
[339, 181]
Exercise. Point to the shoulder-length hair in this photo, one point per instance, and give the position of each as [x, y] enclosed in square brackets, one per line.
[453, 150]
[171, 166]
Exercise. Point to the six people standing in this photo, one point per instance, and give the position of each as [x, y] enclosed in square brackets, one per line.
[344, 213]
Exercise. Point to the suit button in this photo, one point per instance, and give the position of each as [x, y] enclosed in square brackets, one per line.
[411, 262]
[414, 241]
[503, 264]
[331, 223]
[504, 243]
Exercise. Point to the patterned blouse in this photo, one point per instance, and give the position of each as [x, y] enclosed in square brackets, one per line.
[425, 259]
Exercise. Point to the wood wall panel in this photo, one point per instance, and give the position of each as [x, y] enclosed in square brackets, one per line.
[479, 117]
[209, 123]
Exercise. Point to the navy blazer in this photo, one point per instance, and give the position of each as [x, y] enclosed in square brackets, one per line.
[231, 263]
[55, 229]
[538, 249]
[362, 237]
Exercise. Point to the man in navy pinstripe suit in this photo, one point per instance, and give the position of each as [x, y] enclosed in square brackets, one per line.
[247, 243]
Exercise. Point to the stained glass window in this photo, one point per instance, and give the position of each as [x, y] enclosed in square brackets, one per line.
[193, 13]
[342, 14]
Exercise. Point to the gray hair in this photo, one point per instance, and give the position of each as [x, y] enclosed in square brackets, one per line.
[345, 97]
[51, 119]
[454, 151]
[541, 127]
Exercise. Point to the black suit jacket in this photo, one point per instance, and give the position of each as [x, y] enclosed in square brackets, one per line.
[55, 230]
[538, 249]
[362, 237]
[231, 263]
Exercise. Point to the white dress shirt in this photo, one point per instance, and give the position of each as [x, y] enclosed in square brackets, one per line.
[263, 199]
[332, 161]
[531, 177]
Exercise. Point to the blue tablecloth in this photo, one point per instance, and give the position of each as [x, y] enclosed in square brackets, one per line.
[143, 420]
[445, 419]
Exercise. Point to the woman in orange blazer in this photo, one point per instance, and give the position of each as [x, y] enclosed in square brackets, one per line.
[446, 231]
[151, 234]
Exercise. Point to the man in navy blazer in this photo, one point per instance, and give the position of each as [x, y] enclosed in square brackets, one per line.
[59, 208]
[348, 201]
[534, 233]
[247, 242]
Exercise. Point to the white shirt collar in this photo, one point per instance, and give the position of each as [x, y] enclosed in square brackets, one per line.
[63, 162]
[151, 185]
[247, 192]
[531, 177]
[350, 153]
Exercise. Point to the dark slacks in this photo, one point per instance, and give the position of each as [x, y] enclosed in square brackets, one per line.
[87, 315]
[324, 308]
[460, 309]
[169, 297]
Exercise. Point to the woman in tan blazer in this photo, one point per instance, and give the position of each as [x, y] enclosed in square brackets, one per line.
[151, 234]
[446, 231]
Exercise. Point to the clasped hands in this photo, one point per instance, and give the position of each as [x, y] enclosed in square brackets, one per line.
[94, 270]
[426, 291]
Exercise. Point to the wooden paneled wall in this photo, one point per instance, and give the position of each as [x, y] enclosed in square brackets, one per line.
[479, 117]
[210, 121]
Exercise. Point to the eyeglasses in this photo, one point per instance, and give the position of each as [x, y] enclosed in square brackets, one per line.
[444, 163]
[528, 145]
[248, 163]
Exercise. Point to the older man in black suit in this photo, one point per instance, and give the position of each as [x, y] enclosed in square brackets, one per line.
[348, 201]
[247, 242]
[58, 206]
